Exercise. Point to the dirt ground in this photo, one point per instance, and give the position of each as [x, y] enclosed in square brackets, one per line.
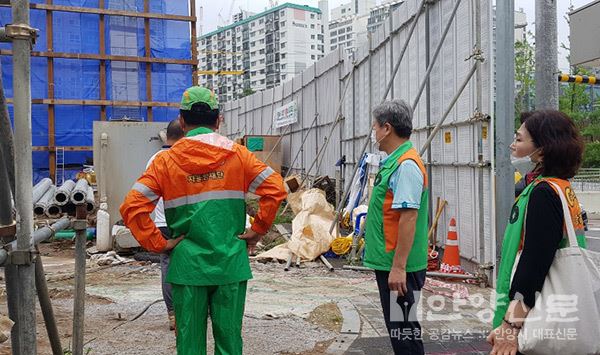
[291, 312]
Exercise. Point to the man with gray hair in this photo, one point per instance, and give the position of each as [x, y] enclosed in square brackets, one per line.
[396, 229]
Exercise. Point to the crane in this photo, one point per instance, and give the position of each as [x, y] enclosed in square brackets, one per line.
[223, 21]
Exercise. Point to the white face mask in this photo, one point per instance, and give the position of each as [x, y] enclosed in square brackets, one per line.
[523, 165]
[375, 141]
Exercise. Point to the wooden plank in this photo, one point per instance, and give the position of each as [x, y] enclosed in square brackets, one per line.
[147, 54]
[99, 103]
[102, 48]
[41, 148]
[194, 44]
[50, 83]
[120, 58]
[110, 12]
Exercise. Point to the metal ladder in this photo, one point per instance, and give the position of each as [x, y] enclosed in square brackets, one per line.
[59, 171]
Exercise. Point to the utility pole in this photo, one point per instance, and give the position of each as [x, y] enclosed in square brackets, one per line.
[505, 119]
[546, 55]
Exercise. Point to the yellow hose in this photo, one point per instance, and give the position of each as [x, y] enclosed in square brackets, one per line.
[342, 245]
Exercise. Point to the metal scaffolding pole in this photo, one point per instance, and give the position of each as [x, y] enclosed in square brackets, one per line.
[46, 307]
[22, 36]
[6, 139]
[385, 94]
[438, 126]
[435, 55]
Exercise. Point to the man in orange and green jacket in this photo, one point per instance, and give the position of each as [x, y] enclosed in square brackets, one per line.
[203, 180]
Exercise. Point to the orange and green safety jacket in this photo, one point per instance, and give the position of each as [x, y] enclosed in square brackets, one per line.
[381, 232]
[203, 180]
[514, 238]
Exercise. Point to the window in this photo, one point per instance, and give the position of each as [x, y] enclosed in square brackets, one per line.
[312, 16]
[238, 29]
[261, 21]
[262, 71]
[334, 40]
[282, 13]
[283, 77]
[333, 47]
[252, 24]
[262, 51]
[312, 36]
[282, 24]
[260, 32]
[312, 57]
[342, 30]
[349, 28]
[333, 33]
[283, 45]
[252, 53]
[312, 26]
[253, 64]
[283, 56]
[262, 81]
[262, 41]
[282, 34]
[253, 83]
[252, 44]
[343, 11]
[228, 33]
[252, 33]
[253, 73]
[312, 46]
[262, 61]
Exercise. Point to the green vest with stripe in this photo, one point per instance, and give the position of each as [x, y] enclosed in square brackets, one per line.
[381, 232]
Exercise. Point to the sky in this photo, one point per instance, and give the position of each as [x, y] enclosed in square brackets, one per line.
[211, 10]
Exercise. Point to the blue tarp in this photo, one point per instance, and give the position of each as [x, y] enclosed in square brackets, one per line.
[80, 79]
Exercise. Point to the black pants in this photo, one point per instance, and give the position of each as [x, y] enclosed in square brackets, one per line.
[404, 331]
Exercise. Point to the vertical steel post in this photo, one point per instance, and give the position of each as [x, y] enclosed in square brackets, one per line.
[546, 55]
[26, 320]
[505, 120]
[79, 225]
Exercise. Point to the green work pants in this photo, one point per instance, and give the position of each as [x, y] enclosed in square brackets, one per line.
[226, 306]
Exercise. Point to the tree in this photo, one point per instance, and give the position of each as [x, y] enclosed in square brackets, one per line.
[524, 77]
[247, 92]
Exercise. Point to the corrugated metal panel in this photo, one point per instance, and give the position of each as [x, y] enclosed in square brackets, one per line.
[452, 151]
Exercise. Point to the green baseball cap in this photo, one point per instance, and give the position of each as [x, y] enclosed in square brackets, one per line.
[198, 94]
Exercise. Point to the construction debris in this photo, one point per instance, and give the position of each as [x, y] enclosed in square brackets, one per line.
[310, 228]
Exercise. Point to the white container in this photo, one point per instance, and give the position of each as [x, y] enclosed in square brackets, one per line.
[103, 237]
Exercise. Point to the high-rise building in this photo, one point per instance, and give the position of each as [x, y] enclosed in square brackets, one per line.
[352, 8]
[379, 14]
[348, 25]
[261, 51]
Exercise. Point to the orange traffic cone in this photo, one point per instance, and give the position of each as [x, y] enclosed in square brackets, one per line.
[451, 259]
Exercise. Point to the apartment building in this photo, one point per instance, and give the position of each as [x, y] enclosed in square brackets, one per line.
[261, 51]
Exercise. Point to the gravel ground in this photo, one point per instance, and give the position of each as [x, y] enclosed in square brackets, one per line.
[282, 309]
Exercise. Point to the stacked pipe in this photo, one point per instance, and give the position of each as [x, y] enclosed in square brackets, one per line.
[52, 202]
